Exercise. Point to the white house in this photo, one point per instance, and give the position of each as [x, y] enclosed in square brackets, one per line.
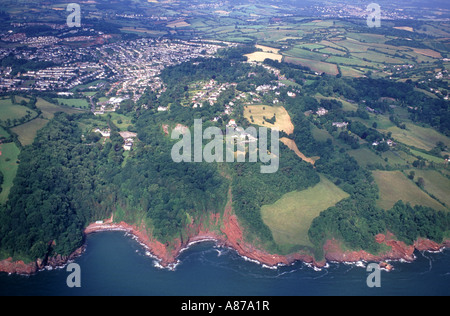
[105, 133]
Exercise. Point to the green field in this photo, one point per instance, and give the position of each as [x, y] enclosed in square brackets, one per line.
[76, 103]
[121, 121]
[49, 109]
[28, 131]
[290, 217]
[11, 113]
[318, 66]
[435, 184]
[394, 158]
[3, 133]
[8, 166]
[395, 186]
[321, 135]
[364, 156]
[346, 106]
[427, 156]
[419, 137]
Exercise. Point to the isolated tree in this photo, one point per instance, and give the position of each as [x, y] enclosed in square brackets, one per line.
[421, 182]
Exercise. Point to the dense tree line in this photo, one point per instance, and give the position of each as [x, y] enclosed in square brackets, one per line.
[167, 192]
[64, 183]
[55, 192]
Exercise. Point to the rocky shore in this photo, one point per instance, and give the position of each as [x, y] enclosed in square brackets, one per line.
[226, 231]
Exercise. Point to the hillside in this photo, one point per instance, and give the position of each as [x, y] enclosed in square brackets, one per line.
[362, 116]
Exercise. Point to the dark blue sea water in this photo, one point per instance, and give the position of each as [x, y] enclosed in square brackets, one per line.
[115, 264]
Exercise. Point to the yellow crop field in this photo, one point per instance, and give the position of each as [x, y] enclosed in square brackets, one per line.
[258, 115]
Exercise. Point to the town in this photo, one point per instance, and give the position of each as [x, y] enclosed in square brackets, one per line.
[130, 66]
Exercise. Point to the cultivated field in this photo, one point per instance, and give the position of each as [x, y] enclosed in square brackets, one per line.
[259, 114]
[323, 45]
[290, 217]
[267, 53]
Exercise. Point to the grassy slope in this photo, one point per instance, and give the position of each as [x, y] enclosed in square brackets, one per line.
[290, 217]
[395, 186]
[435, 184]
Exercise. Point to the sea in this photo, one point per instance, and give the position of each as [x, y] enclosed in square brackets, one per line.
[114, 264]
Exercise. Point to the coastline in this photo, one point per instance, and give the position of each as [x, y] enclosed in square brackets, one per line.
[231, 236]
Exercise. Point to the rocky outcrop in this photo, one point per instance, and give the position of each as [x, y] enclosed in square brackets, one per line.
[18, 267]
[398, 251]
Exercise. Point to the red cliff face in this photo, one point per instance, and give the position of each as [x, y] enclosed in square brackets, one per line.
[426, 245]
[18, 267]
[227, 231]
[235, 239]
[398, 250]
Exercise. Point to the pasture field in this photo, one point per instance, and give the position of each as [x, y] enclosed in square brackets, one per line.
[332, 51]
[427, 156]
[255, 114]
[318, 66]
[49, 109]
[321, 135]
[27, 132]
[435, 184]
[77, 103]
[364, 156]
[12, 113]
[8, 166]
[305, 54]
[3, 132]
[395, 186]
[351, 72]
[121, 121]
[290, 217]
[346, 106]
[420, 137]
